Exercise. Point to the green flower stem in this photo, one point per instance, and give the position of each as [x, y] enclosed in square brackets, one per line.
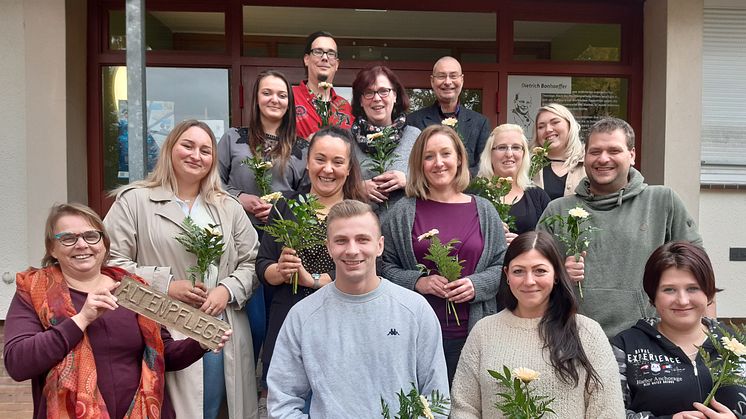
[719, 381]
[580, 284]
[451, 307]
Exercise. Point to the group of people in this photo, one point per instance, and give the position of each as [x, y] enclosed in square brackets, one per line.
[372, 315]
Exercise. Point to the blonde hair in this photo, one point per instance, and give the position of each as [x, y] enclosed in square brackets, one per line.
[485, 160]
[163, 175]
[349, 208]
[574, 151]
[60, 210]
[417, 182]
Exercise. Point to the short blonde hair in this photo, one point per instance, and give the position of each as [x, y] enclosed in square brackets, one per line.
[349, 208]
[60, 210]
[485, 160]
[417, 182]
[574, 151]
[163, 175]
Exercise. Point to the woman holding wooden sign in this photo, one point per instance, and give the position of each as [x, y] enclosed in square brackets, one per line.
[65, 330]
[146, 222]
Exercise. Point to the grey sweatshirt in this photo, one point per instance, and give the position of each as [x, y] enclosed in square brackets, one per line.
[351, 350]
[634, 221]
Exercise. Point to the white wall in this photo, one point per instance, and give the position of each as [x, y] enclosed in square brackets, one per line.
[723, 225]
[33, 143]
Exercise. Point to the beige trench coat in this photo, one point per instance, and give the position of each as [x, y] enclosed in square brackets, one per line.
[574, 176]
[142, 224]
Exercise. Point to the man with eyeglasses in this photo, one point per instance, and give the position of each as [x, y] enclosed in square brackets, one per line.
[321, 60]
[447, 80]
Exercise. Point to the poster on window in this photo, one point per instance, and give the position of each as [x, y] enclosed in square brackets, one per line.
[160, 123]
[588, 98]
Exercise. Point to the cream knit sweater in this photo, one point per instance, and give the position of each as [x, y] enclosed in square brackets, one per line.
[504, 339]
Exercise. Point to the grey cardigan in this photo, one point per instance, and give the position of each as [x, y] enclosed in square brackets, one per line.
[399, 263]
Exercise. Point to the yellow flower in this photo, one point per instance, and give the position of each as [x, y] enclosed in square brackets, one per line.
[525, 374]
[734, 346]
[371, 137]
[578, 212]
[426, 412]
[538, 150]
[451, 122]
[507, 179]
[325, 85]
[429, 234]
[270, 198]
[264, 165]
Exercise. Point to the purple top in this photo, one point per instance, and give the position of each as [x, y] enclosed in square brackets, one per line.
[458, 221]
[30, 352]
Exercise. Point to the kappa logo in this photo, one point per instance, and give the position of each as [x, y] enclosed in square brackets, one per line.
[392, 332]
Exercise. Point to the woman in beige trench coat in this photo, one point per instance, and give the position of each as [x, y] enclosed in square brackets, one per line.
[143, 223]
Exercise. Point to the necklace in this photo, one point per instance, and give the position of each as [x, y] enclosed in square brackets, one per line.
[557, 160]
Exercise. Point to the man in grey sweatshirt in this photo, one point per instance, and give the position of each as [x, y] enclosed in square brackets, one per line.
[634, 217]
[358, 339]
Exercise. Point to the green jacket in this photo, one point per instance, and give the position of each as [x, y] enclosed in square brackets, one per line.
[634, 221]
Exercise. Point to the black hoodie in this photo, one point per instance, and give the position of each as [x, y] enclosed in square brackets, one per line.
[659, 380]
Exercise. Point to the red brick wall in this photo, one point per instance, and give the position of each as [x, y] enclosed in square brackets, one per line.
[15, 398]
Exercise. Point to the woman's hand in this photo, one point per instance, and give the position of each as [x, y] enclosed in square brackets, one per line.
[96, 304]
[508, 235]
[432, 284]
[288, 263]
[576, 268]
[371, 188]
[390, 181]
[223, 340]
[716, 411]
[183, 290]
[460, 290]
[255, 206]
[216, 301]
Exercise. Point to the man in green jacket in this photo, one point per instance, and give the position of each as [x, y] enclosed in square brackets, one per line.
[634, 217]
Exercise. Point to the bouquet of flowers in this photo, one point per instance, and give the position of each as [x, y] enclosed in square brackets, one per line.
[383, 147]
[572, 233]
[260, 167]
[539, 159]
[413, 405]
[517, 401]
[205, 243]
[303, 232]
[727, 369]
[447, 266]
[494, 190]
[323, 107]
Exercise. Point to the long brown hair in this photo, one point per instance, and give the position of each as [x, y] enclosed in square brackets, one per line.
[558, 328]
[286, 133]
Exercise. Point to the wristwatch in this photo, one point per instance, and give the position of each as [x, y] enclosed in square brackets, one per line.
[316, 281]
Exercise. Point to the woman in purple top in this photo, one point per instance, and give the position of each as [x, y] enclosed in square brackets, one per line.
[438, 175]
[85, 355]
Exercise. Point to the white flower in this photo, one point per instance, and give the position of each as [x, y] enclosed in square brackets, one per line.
[505, 179]
[270, 198]
[734, 346]
[526, 375]
[325, 85]
[578, 212]
[426, 412]
[538, 150]
[213, 231]
[371, 137]
[451, 122]
[429, 234]
[264, 165]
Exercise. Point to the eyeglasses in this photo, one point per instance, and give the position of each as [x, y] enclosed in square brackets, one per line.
[502, 148]
[370, 94]
[330, 53]
[69, 239]
[444, 76]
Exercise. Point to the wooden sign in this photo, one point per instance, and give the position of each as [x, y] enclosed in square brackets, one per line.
[167, 311]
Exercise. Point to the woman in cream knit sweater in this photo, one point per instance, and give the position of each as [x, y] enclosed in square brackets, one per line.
[540, 330]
